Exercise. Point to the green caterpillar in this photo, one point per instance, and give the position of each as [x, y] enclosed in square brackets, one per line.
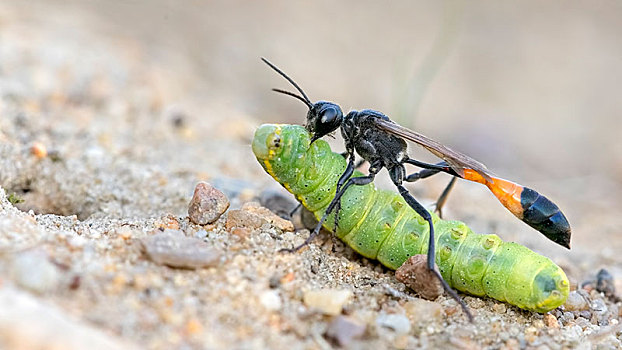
[379, 225]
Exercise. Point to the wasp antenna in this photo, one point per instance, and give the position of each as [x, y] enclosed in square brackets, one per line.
[306, 99]
[309, 104]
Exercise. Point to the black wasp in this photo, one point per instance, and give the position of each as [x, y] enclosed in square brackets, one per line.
[381, 142]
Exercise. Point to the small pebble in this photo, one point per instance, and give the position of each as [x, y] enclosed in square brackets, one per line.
[476, 303]
[419, 310]
[75, 282]
[551, 321]
[288, 278]
[193, 327]
[172, 248]
[239, 218]
[207, 204]
[253, 216]
[604, 283]
[39, 150]
[415, 274]
[582, 321]
[169, 222]
[499, 308]
[277, 221]
[397, 322]
[568, 316]
[575, 302]
[33, 270]
[200, 234]
[599, 306]
[538, 324]
[344, 329]
[271, 300]
[274, 282]
[328, 301]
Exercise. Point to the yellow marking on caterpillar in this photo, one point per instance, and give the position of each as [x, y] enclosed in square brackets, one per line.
[270, 170]
[302, 200]
[287, 187]
[271, 154]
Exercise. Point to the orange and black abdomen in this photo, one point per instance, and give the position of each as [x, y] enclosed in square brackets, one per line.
[528, 205]
[543, 215]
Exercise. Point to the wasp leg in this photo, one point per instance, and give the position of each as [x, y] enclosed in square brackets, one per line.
[359, 181]
[440, 202]
[441, 166]
[397, 176]
[431, 247]
[293, 211]
[358, 164]
[425, 173]
[344, 177]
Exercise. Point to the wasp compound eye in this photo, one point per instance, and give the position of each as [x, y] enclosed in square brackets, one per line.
[329, 114]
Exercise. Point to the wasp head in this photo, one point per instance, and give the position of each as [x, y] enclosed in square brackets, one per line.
[323, 118]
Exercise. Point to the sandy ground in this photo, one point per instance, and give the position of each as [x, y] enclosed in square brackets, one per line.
[130, 124]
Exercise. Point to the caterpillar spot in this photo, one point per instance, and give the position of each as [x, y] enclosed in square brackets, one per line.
[488, 243]
[456, 233]
[445, 253]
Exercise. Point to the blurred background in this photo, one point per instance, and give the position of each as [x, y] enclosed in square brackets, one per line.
[529, 88]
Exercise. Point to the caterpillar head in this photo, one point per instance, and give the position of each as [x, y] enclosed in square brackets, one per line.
[267, 142]
[279, 143]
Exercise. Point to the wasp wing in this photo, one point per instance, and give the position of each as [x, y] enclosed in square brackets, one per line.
[456, 160]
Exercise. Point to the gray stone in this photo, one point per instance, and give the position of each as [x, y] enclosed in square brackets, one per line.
[397, 322]
[172, 248]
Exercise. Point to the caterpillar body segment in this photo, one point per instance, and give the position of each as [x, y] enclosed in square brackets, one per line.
[379, 224]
